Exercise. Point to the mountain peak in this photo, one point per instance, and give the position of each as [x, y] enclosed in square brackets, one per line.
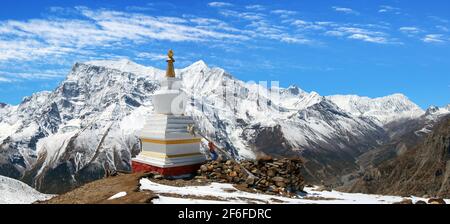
[119, 64]
[397, 96]
[126, 65]
[385, 109]
[200, 64]
[293, 89]
[435, 110]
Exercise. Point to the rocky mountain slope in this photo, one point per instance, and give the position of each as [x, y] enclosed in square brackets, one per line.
[87, 126]
[418, 164]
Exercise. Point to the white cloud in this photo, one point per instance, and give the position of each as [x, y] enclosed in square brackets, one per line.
[283, 13]
[335, 33]
[410, 30]
[434, 38]
[220, 4]
[442, 28]
[255, 7]
[362, 34]
[367, 38]
[265, 29]
[439, 19]
[101, 30]
[345, 10]
[289, 39]
[388, 9]
[56, 37]
[41, 75]
[242, 15]
[151, 56]
[142, 27]
[307, 25]
[3, 79]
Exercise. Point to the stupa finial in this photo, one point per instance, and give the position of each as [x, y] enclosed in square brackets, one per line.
[170, 68]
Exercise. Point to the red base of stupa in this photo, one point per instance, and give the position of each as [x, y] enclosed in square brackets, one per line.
[168, 171]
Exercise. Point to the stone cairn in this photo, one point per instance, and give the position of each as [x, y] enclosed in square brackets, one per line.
[273, 176]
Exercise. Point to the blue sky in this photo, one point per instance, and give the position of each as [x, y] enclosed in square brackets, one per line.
[368, 48]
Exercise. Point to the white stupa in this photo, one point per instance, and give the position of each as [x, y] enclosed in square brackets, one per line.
[167, 146]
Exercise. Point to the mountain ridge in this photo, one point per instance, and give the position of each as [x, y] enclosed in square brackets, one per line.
[86, 126]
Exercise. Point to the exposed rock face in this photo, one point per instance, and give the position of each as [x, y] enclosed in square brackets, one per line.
[421, 169]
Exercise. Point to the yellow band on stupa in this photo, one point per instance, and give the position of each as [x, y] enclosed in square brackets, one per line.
[162, 155]
[171, 141]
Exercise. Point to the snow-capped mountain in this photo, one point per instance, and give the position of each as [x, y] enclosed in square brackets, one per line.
[88, 124]
[15, 192]
[383, 109]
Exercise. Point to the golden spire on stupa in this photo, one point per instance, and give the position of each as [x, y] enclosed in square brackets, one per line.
[170, 72]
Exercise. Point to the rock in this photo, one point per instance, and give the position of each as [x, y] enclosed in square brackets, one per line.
[210, 167]
[405, 201]
[436, 201]
[278, 179]
[250, 181]
[203, 168]
[271, 173]
[420, 202]
[280, 184]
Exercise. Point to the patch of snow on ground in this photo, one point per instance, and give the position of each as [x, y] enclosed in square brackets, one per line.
[118, 195]
[226, 193]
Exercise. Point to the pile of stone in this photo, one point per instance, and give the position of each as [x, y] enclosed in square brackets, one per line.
[269, 175]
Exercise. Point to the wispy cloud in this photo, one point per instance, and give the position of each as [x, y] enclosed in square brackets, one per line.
[410, 30]
[389, 9]
[242, 15]
[92, 33]
[367, 38]
[443, 28]
[283, 13]
[4, 79]
[264, 28]
[220, 4]
[362, 34]
[345, 10]
[434, 38]
[255, 7]
[439, 19]
[151, 56]
[37, 75]
[37, 38]
[308, 25]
